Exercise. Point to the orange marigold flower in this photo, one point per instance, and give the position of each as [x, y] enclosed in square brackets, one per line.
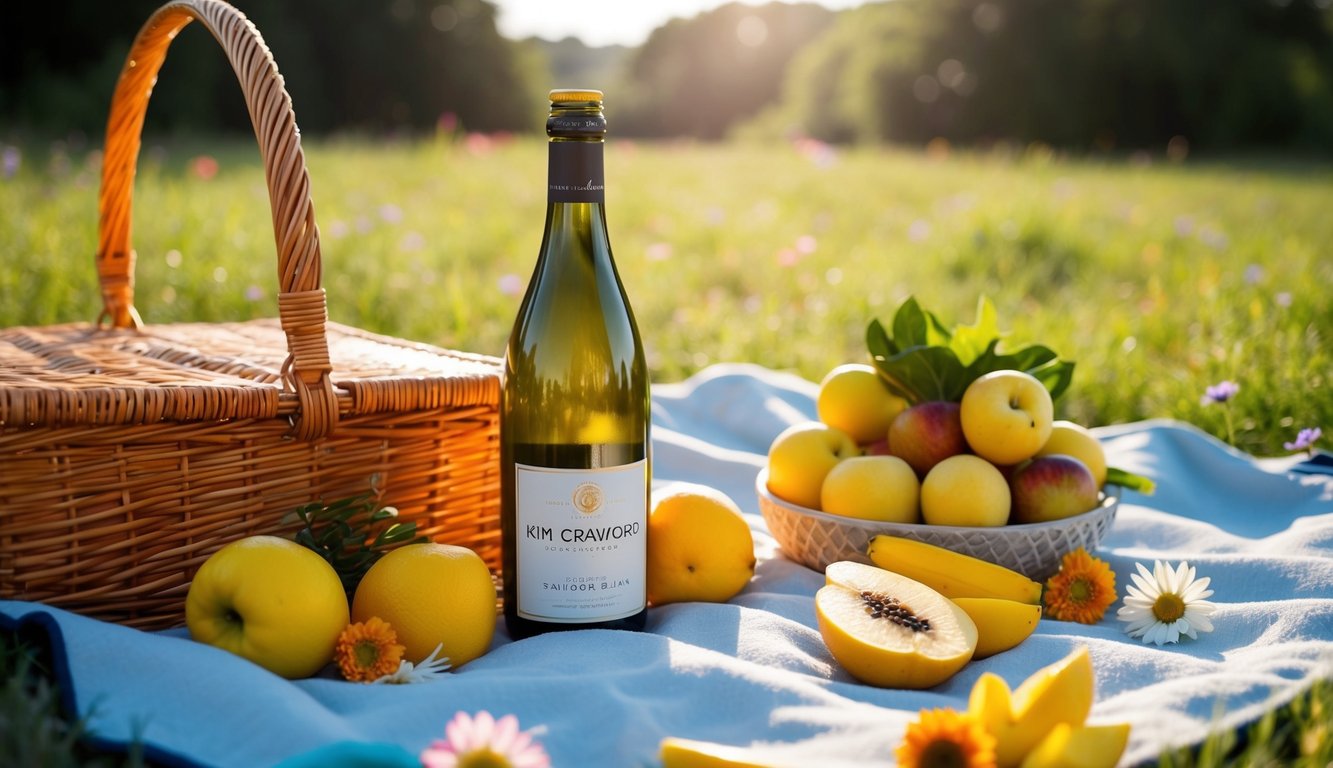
[943, 737]
[1081, 590]
[368, 650]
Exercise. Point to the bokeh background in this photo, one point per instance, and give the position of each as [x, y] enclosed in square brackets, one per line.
[1083, 75]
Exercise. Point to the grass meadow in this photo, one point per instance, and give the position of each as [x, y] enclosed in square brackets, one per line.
[1158, 278]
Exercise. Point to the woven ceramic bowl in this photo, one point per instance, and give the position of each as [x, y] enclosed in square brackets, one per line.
[815, 538]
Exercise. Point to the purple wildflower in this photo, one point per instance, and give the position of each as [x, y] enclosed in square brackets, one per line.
[1220, 393]
[1305, 439]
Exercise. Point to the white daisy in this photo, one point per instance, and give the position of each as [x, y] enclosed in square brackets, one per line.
[428, 669]
[1163, 605]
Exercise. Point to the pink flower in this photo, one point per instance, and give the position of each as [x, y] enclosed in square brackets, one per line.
[484, 741]
[204, 166]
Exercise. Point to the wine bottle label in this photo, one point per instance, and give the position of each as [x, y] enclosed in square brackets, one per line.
[582, 542]
[575, 173]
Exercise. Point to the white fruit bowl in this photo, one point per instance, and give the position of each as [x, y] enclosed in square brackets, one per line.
[815, 539]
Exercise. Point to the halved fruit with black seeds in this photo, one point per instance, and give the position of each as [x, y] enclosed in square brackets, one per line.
[890, 631]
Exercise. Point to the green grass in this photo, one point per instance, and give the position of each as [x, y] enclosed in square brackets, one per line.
[1158, 279]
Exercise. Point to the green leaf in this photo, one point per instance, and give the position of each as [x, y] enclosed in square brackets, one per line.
[1055, 375]
[970, 341]
[923, 360]
[920, 374]
[351, 534]
[878, 341]
[1126, 479]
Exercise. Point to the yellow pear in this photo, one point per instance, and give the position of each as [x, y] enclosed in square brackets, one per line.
[1059, 693]
[1088, 746]
[1001, 624]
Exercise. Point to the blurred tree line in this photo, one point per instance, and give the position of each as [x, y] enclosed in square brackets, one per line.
[1087, 74]
[1083, 74]
[349, 65]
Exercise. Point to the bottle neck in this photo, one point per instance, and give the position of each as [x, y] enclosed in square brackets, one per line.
[575, 172]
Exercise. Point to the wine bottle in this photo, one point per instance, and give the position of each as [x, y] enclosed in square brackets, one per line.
[574, 409]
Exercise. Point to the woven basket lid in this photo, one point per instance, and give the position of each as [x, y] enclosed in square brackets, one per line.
[79, 374]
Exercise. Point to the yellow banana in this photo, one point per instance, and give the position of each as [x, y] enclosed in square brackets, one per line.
[676, 752]
[1001, 624]
[1089, 746]
[1059, 693]
[950, 573]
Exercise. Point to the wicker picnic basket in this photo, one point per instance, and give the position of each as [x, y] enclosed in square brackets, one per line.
[129, 453]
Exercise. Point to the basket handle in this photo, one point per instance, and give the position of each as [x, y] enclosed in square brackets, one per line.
[302, 307]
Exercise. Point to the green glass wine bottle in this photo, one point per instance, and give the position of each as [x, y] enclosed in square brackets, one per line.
[575, 462]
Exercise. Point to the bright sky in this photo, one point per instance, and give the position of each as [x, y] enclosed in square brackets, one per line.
[604, 22]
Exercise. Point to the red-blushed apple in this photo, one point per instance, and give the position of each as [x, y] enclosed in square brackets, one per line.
[1052, 488]
[877, 448]
[926, 434]
[800, 458]
[1075, 440]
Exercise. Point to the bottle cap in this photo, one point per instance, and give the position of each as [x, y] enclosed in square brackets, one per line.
[561, 95]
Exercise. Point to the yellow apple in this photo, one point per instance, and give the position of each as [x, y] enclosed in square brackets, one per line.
[1006, 416]
[853, 398]
[1075, 440]
[802, 456]
[965, 490]
[873, 488]
[269, 600]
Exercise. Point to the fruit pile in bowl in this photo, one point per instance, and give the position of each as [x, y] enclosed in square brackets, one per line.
[947, 440]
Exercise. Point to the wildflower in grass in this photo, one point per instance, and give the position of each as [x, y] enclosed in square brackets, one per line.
[1305, 440]
[1165, 603]
[204, 167]
[510, 284]
[1081, 590]
[430, 668]
[484, 742]
[943, 737]
[659, 251]
[13, 158]
[367, 650]
[1222, 394]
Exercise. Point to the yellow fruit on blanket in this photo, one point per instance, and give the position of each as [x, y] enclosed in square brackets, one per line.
[950, 573]
[431, 594]
[688, 753]
[269, 600]
[1001, 624]
[890, 631]
[1088, 746]
[699, 546]
[1059, 693]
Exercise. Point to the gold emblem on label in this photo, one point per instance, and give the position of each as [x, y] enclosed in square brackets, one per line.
[588, 498]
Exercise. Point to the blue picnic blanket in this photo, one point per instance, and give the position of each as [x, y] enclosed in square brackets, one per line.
[754, 671]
